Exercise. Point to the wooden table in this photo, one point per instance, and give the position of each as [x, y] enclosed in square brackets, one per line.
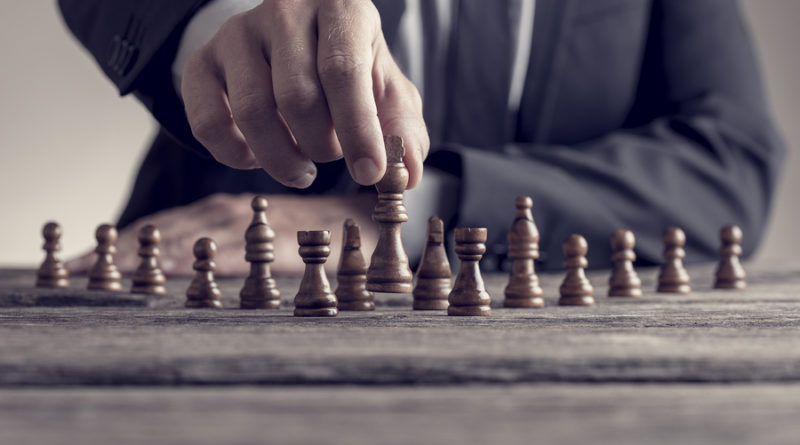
[710, 367]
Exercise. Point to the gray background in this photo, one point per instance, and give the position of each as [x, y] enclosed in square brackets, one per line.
[71, 146]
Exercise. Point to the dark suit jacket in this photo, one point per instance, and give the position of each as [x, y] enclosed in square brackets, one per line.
[635, 113]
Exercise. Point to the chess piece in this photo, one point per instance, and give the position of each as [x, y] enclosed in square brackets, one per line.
[314, 298]
[260, 290]
[148, 277]
[388, 269]
[576, 290]
[523, 289]
[624, 281]
[351, 275]
[433, 275]
[104, 275]
[203, 291]
[52, 272]
[730, 273]
[469, 296]
[673, 277]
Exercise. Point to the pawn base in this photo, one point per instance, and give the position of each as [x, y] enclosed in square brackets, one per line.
[674, 288]
[316, 312]
[58, 283]
[630, 292]
[527, 302]
[730, 284]
[260, 304]
[394, 288]
[113, 286]
[469, 311]
[149, 289]
[431, 305]
[580, 300]
[356, 306]
[199, 304]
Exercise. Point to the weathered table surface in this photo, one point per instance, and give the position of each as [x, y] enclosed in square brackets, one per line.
[709, 367]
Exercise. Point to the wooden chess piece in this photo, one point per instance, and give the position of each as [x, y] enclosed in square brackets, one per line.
[673, 277]
[433, 275]
[469, 296]
[260, 290]
[104, 275]
[576, 290]
[388, 269]
[52, 272]
[730, 273]
[314, 298]
[523, 289]
[624, 281]
[351, 275]
[148, 277]
[203, 291]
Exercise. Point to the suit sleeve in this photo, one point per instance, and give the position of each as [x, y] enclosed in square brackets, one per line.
[134, 42]
[710, 157]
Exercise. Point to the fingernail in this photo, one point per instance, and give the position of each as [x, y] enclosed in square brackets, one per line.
[366, 172]
[304, 180]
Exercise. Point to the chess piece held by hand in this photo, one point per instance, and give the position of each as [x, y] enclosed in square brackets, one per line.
[730, 273]
[388, 268]
[52, 272]
[203, 291]
[469, 296]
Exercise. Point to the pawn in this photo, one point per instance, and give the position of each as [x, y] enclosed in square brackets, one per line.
[624, 281]
[260, 290]
[576, 290]
[104, 275]
[148, 277]
[433, 276]
[673, 277]
[730, 273]
[52, 272]
[314, 298]
[351, 275]
[203, 291]
[469, 296]
[523, 289]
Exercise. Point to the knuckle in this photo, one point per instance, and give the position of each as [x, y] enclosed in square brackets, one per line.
[205, 127]
[341, 66]
[249, 109]
[298, 96]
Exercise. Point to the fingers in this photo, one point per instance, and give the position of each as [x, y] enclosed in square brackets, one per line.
[400, 113]
[344, 63]
[209, 115]
[249, 84]
[298, 93]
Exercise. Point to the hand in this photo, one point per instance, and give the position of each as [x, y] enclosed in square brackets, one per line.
[224, 218]
[293, 82]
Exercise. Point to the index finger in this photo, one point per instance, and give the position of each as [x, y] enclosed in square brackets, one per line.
[345, 60]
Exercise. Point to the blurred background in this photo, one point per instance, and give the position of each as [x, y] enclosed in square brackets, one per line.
[71, 146]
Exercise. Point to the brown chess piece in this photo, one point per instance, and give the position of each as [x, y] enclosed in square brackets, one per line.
[523, 289]
[469, 296]
[624, 281]
[673, 277]
[203, 291]
[388, 269]
[433, 275]
[52, 272]
[260, 290]
[148, 277]
[351, 275]
[576, 290]
[104, 275]
[730, 273]
[314, 298]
